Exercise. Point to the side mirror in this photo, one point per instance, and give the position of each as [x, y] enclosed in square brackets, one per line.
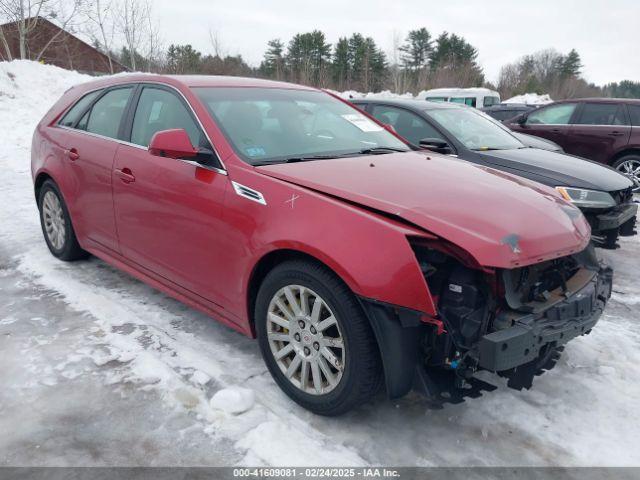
[173, 144]
[522, 119]
[435, 144]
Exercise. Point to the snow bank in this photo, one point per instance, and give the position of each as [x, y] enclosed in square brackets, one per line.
[385, 94]
[37, 85]
[530, 99]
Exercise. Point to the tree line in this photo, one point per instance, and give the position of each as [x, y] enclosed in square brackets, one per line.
[128, 32]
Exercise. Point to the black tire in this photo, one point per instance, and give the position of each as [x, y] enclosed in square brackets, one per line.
[362, 375]
[70, 249]
[626, 158]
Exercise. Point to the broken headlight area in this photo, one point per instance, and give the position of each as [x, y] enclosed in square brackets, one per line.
[513, 322]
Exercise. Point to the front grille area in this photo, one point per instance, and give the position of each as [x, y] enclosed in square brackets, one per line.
[623, 196]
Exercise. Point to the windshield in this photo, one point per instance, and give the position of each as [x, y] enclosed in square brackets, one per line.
[473, 130]
[268, 125]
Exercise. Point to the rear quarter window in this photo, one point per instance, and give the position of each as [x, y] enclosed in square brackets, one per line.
[69, 119]
[602, 114]
[106, 114]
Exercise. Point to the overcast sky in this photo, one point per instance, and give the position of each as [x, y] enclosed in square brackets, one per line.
[605, 33]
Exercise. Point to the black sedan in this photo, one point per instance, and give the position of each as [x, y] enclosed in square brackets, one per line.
[604, 195]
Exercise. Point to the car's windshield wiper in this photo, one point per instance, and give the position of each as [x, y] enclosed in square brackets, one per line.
[381, 150]
[301, 158]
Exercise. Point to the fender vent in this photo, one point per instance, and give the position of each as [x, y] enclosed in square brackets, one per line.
[249, 193]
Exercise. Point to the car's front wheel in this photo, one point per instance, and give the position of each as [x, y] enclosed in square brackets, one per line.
[315, 339]
[56, 224]
[629, 165]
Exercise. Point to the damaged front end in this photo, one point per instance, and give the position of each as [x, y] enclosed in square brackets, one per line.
[513, 322]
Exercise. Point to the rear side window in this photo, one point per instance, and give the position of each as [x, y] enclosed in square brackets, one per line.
[634, 113]
[74, 112]
[553, 115]
[160, 110]
[488, 101]
[601, 114]
[106, 114]
[407, 124]
[470, 101]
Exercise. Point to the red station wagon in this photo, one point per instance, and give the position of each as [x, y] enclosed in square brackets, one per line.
[289, 215]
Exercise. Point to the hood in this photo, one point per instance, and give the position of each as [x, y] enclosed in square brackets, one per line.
[500, 219]
[560, 169]
[537, 142]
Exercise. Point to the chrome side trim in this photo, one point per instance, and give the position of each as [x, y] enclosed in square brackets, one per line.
[248, 193]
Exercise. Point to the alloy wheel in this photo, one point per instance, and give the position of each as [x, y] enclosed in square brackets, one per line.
[305, 340]
[631, 168]
[54, 223]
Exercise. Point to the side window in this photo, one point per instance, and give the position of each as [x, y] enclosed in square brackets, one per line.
[105, 115]
[72, 114]
[553, 115]
[634, 113]
[488, 101]
[602, 114]
[158, 110]
[407, 124]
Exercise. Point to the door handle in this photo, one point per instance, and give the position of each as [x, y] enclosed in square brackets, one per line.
[125, 175]
[555, 130]
[616, 134]
[73, 154]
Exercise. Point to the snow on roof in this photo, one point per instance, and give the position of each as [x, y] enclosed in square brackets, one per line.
[456, 91]
[530, 99]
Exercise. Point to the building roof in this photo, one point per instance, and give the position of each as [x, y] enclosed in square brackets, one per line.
[65, 51]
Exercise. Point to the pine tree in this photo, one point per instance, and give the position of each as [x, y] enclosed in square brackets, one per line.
[183, 59]
[416, 51]
[308, 57]
[273, 63]
[341, 66]
[570, 64]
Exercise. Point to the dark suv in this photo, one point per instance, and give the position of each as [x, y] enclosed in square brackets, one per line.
[606, 130]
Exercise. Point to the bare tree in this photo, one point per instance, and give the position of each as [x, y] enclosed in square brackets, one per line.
[27, 13]
[100, 14]
[132, 21]
[5, 45]
[154, 42]
[397, 73]
[64, 15]
[216, 43]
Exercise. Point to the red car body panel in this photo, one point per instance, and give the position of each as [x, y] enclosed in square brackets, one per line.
[184, 229]
[423, 193]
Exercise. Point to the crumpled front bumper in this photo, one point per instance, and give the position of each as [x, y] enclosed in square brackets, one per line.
[534, 333]
[620, 219]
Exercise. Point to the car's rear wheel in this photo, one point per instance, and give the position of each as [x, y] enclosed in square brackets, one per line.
[629, 165]
[56, 224]
[315, 339]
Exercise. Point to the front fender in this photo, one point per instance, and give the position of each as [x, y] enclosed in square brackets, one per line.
[369, 251]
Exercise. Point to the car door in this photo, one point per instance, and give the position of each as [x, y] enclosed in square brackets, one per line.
[552, 122]
[168, 211]
[599, 130]
[91, 145]
[407, 124]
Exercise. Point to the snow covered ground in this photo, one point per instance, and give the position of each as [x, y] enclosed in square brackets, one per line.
[100, 369]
